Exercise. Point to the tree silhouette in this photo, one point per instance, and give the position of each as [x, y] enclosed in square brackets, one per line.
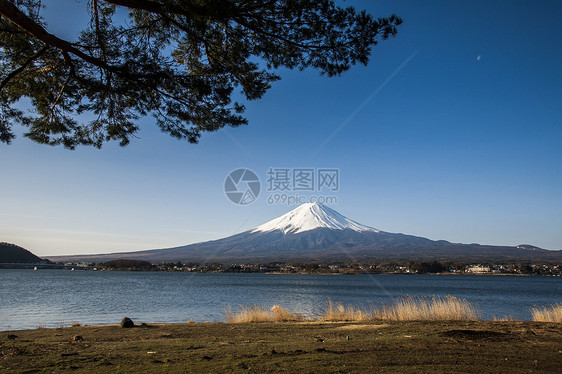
[178, 60]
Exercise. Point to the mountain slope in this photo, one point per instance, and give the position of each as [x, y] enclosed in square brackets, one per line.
[314, 232]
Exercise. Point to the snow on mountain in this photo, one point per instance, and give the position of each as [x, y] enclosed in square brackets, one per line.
[311, 216]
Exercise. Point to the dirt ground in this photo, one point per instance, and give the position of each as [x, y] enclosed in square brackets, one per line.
[304, 347]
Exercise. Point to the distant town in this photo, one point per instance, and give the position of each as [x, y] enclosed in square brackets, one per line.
[435, 267]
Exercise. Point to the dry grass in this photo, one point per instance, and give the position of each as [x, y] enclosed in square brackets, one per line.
[406, 309]
[257, 313]
[339, 312]
[447, 308]
[549, 313]
[411, 308]
[281, 314]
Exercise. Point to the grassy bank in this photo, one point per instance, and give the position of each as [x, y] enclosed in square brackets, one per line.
[403, 309]
[408, 308]
[307, 347]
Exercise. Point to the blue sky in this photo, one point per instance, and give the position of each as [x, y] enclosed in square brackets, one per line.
[462, 143]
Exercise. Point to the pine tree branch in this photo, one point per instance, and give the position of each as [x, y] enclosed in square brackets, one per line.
[179, 60]
[29, 60]
[155, 7]
[68, 61]
[15, 15]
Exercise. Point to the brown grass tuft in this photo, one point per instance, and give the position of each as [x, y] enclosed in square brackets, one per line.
[257, 313]
[409, 308]
[406, 309]
[548, 313]
[283, 315]
[412, 308]
[339, 312]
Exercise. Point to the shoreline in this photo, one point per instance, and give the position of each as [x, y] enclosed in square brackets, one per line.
[142, 326]
[81, 268]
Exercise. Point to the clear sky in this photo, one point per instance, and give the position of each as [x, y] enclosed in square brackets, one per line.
[453, 131]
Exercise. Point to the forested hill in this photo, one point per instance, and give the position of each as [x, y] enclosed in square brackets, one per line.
[11, 253]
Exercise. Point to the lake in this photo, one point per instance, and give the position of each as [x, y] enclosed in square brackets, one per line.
[52, 298]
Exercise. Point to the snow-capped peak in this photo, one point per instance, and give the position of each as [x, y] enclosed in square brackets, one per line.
[311, 216]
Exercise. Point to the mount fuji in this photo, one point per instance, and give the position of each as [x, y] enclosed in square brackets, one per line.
[311, 216]
[315, 232]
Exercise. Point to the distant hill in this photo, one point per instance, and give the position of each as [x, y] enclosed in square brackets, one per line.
[13, 254]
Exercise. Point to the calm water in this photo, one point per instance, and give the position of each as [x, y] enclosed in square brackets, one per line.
[50, 298]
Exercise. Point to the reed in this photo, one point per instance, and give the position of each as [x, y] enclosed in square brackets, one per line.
[411, 308]
[548, 313]
[406, 309]
[339, 312]
[258, 313]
